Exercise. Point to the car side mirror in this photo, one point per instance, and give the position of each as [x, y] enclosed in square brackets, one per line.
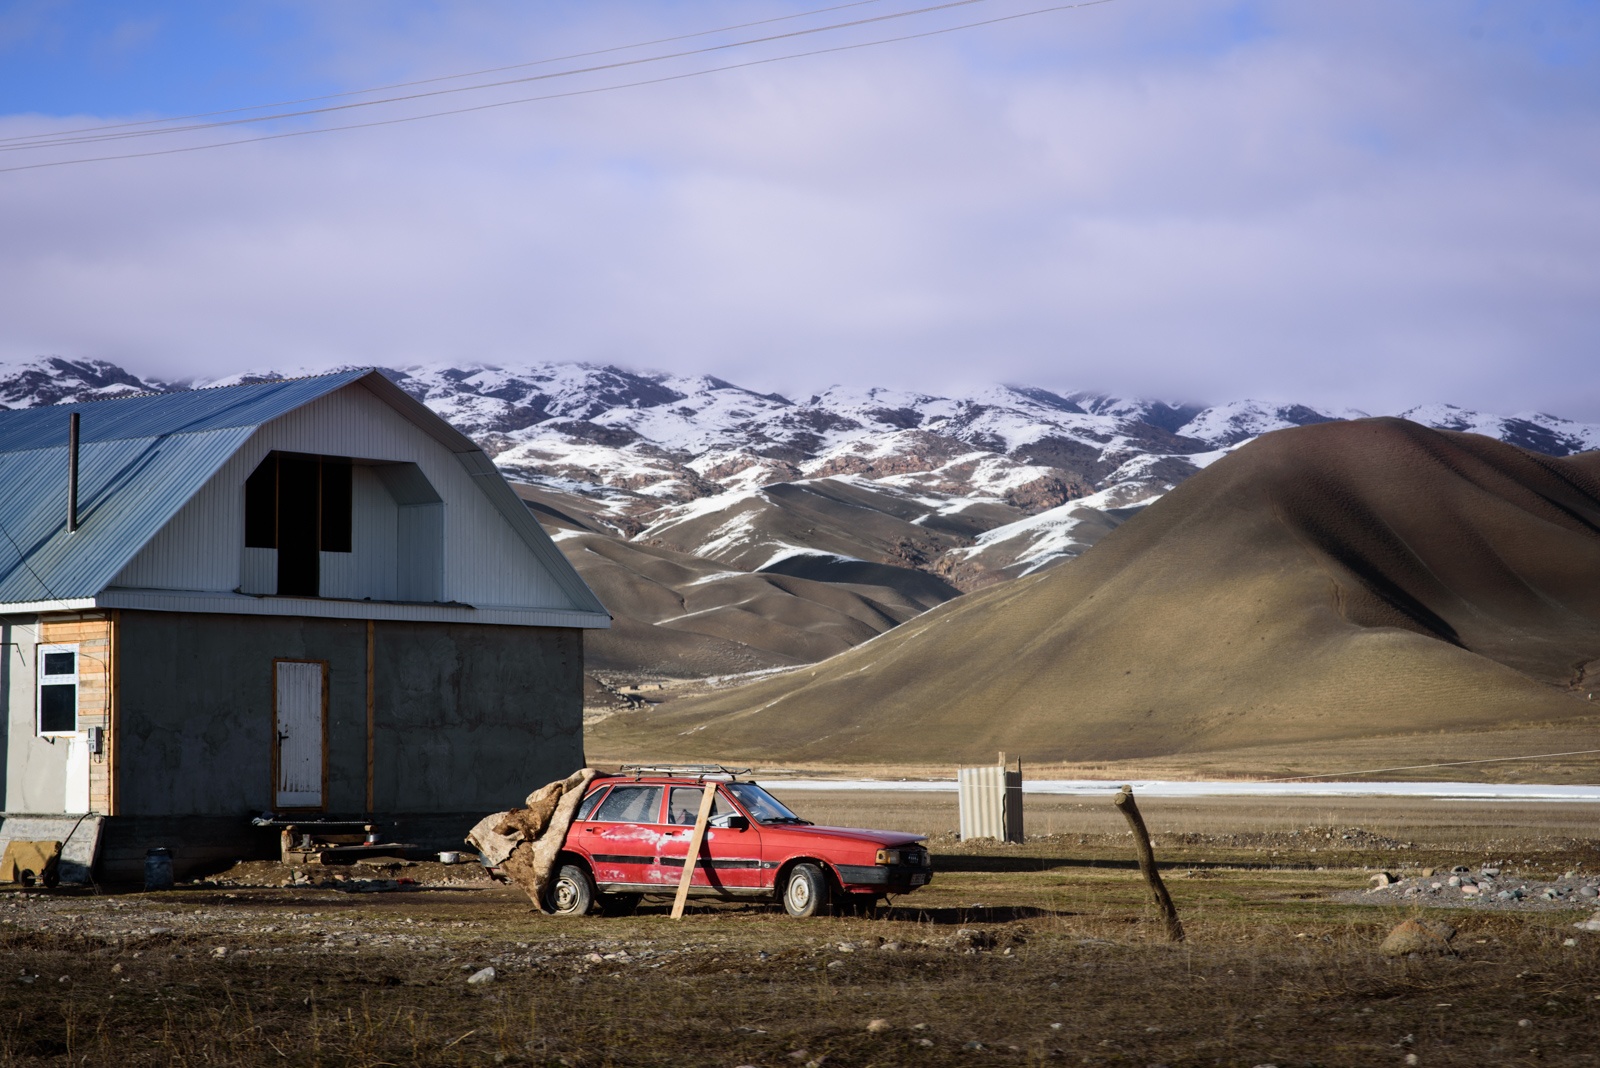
[731, 821]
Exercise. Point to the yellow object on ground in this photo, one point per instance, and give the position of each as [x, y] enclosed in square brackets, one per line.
[38, 859]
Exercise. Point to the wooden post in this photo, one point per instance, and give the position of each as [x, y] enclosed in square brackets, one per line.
[692, 857]
[1147, 863]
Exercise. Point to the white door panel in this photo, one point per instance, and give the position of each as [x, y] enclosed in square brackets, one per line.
[77, 792]
[298, 718]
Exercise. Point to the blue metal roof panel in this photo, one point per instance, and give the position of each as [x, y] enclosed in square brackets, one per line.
[127, 491]
[185, 412]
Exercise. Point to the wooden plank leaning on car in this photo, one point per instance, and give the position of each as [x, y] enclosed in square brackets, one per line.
[707, 799]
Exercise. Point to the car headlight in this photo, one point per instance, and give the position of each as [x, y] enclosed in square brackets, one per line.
[889, 856]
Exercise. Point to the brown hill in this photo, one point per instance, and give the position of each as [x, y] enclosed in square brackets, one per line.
[1343, 580]
[677, 616]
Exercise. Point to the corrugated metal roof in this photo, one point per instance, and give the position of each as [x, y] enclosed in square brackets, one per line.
[159, 414]
[142, 458]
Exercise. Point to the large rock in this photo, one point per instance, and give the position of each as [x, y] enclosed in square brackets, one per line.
[1418, 936]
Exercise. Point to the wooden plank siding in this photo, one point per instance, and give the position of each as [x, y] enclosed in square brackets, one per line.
[95, 636]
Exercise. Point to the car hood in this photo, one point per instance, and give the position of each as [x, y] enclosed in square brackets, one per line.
[850, 834]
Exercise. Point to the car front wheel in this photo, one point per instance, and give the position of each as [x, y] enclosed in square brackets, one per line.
[805, 894]
[571, 894]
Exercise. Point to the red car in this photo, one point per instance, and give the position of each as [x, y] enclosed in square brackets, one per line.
[631, 834]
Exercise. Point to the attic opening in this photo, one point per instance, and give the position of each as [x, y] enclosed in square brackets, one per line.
[300, 506]
[342, 527]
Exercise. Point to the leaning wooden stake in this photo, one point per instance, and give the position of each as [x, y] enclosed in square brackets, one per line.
[691, 858]
[1147, 863]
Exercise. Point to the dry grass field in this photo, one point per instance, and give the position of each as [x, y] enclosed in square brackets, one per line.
[1039, 953]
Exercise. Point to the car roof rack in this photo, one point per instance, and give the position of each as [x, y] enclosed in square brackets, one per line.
[687, 771]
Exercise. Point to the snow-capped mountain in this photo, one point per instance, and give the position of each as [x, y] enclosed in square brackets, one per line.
[971, 488]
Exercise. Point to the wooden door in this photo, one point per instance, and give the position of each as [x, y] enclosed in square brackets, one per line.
[299, 697]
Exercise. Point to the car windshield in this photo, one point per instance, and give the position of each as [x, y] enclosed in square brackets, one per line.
[762, 806]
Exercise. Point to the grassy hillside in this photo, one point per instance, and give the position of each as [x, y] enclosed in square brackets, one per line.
[1343, 580]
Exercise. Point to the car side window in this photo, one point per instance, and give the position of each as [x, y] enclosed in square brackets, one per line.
[684, 805]
[589, 802]
[631, 803]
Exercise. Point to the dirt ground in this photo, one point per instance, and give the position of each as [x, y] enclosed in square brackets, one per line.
[1043, 952]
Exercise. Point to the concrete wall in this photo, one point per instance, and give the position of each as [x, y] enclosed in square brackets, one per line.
[468, 718]
[33, 771]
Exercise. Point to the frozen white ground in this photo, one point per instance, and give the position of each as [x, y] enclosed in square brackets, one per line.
[1438, 791]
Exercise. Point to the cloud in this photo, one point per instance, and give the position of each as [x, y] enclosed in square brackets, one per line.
[1359, 204]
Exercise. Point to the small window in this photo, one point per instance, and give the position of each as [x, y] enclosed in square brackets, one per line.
[261, 506]
[58, 690]
[685, 804]
[589, 802]
[630, 804]
[336, 505]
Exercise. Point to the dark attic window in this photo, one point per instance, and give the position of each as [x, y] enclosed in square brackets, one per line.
[299, 504]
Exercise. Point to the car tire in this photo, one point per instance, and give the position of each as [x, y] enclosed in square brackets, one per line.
[805, 892]
[570, 893]
[619, 904]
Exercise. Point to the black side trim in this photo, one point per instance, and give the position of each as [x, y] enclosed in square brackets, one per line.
[624, 858]
[698, 890]
[710, 862]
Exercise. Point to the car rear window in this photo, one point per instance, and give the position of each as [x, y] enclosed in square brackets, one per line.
[631, 803]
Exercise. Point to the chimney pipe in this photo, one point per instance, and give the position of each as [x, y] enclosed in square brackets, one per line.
[72, 472]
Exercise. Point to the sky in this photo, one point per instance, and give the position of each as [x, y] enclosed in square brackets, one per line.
[1363, 203]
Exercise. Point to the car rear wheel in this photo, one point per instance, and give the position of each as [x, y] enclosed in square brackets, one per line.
[805, 893]
[571, 894]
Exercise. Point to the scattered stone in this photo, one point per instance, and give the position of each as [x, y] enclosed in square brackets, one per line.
[1588, 891]
[892, 947]
[1570, 942]
[595, 958]
[1418, 936]
[480, 977]
[924, 1041]
[1592, 924]
[974, 938]
[835, 964]
[1491, 873]
[1427, 873]
[1524, 1023]
[220, 952]
[1454, 880]
[878, 1026]
[799, 1054]
[116, 969]
[1412, 1058]
[1460, 869]
[1056, 1026]
[1383, 878]
[1470, 890]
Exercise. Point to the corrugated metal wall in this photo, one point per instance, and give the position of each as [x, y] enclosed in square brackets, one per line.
[991, 802]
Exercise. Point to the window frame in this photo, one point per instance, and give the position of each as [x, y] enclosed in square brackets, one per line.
[655, 818]
[41, 680]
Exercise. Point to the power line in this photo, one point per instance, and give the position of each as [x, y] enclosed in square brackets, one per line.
[579, 92]
[442, 78]
[55, 141]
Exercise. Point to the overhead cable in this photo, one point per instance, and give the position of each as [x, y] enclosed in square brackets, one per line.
[573, 92]
[443, 77]
[56, 141]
